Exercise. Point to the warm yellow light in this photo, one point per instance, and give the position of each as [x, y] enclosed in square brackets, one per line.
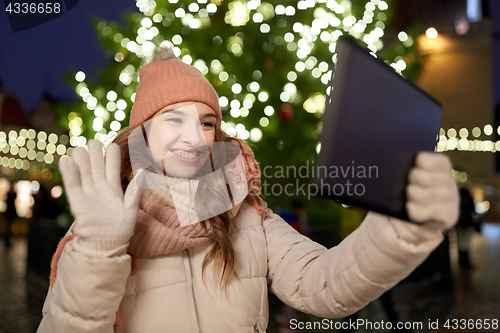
[431, 33]
[315, 103]
[238, 14]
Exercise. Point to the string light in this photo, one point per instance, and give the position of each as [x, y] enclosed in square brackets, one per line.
[431, 33]
[448, 140]
[30, 146]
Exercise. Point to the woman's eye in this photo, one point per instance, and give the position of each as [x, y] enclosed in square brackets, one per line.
[207, 123]
[175, 120]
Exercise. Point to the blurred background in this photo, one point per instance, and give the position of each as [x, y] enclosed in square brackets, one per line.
[74, 78]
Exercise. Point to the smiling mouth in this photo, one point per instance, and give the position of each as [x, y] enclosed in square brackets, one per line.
[187, 156]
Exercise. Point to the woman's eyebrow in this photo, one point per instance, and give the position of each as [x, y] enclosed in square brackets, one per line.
[173, 111]
[178, 112]
[210, 114]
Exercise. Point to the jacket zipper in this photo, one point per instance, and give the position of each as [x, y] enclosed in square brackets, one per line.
[197, 319]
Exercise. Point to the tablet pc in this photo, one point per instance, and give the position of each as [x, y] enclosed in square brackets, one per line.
[375, 122]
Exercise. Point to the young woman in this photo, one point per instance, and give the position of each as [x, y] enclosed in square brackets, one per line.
[167, 246]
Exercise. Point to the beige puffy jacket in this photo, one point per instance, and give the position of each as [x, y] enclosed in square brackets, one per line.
[169, 295]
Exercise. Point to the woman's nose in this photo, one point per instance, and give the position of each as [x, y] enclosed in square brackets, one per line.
[193, 135]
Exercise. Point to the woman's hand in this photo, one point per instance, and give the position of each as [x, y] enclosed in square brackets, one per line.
[433, 197]
[105, 217]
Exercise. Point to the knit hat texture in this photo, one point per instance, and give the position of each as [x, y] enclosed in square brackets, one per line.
[168, 81]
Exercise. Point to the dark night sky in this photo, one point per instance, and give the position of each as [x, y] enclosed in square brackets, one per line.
[36, 59]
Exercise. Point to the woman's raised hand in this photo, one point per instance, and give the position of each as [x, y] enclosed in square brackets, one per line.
[105, 217]
[432, 194]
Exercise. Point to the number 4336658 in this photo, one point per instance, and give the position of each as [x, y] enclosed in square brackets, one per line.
[40, 8]
[477, 324]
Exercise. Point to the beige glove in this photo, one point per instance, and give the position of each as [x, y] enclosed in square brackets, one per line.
[105, 217]
[433, 199]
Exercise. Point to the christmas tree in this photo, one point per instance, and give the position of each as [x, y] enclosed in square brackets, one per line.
[269, 62]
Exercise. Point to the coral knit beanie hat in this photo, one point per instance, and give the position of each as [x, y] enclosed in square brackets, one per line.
[167, 80]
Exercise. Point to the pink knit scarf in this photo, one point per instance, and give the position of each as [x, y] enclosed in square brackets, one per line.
[158, 220]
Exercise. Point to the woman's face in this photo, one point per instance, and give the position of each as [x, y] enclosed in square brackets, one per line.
[179, 135]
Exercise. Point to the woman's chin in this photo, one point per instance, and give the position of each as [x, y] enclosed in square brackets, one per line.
[181, 174]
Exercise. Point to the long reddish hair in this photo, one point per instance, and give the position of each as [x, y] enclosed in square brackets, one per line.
[222, 252]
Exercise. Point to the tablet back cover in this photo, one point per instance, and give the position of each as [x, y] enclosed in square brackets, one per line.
[375, 122]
